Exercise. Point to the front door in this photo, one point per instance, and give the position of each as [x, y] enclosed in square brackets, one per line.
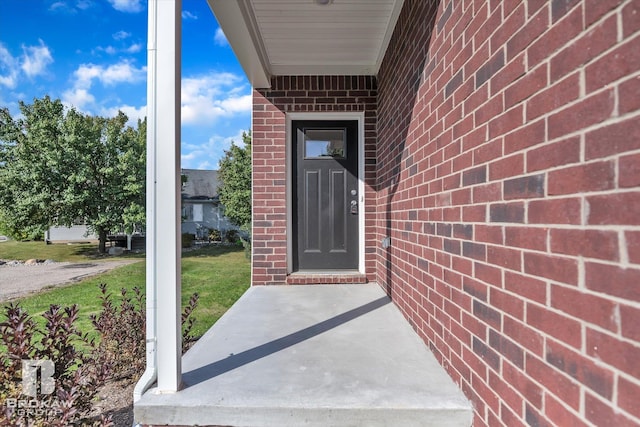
[325, 190]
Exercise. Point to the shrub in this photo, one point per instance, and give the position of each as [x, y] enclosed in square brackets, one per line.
[232, 236]
[215, 235]
[81, 365]
[76, 375]
[187, 323]
[121, 349]
[187, 240]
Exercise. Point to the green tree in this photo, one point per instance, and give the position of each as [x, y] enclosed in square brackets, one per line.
[62, 167]
[30, 147]
[235, 183]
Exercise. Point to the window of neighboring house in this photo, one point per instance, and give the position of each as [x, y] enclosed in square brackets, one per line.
[187, 212]
[198, 215]
[193, 212]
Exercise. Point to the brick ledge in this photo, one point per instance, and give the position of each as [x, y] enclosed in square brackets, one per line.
[332, 278]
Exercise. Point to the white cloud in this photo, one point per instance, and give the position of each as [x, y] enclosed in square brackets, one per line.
[129, 6]
[65, 6]
[8, 68]
[112, 50]
[207, 155]
[220, 39]
[134, 48]
[209, 97]
[33, 62]
[59, 6]
[237, 104]
[133, 113]
[85, 75]
[122, 72]
[35, 59]
[83, 4]
[121, 35]
[188, 15]
[79, 98]
[207, 165]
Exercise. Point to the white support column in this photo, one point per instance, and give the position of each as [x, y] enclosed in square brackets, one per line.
[163, 183]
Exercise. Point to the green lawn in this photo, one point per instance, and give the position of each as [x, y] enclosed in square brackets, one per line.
[77, 252]
[220, 275]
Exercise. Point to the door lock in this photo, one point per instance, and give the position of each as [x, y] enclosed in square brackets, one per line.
[354, 207]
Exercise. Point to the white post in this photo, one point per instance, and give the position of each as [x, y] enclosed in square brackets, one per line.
[164, 183]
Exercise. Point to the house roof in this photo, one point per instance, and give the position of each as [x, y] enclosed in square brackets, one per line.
[303, 37]
[201, 184]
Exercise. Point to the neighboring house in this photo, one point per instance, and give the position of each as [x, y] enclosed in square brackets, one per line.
[75, 233]
[81, 234]
[479, 161]
[201, 208]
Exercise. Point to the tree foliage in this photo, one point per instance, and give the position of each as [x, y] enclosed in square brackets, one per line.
[61, 167]
[235, 183]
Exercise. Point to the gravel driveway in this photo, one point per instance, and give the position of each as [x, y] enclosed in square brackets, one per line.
[20, 280]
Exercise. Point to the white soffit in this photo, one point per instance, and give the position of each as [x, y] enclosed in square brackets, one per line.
[301, 37]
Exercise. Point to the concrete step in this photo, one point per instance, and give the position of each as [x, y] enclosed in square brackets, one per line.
[322, 355]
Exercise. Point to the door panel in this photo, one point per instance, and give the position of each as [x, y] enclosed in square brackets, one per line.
[312, 206]
[338, 200]
[325, 185]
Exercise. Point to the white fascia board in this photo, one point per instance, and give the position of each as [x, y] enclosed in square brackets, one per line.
[323, 70]
[393, 20]
[234, 18]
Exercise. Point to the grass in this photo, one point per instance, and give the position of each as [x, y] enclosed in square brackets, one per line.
[60, 252]
[220, 275]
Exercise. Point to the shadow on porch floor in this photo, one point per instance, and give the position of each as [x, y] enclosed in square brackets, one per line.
[337, 355]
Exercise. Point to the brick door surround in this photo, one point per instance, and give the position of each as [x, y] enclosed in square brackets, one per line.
[311, 98]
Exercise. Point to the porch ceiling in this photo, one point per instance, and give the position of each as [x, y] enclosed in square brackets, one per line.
[302, 37]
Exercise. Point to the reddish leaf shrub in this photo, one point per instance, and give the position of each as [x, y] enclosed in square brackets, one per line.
[81, 364]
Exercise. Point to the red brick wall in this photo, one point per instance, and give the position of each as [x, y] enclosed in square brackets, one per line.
[301, 94]
[508, 178]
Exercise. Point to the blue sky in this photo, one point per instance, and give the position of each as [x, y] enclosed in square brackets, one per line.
[92, 54]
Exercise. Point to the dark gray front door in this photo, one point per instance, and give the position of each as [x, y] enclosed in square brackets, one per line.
[325, 190]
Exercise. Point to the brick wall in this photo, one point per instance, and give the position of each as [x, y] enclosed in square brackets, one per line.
[508, 178]
[301, 94]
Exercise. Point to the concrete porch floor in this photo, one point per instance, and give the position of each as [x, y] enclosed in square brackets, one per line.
[321, 355]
